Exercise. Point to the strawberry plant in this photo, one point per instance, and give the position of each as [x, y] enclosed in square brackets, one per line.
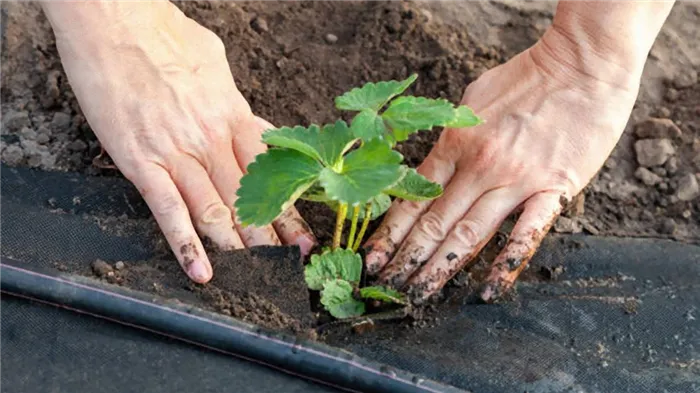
[354, 170]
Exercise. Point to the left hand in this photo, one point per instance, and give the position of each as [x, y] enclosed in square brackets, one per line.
[549, 128]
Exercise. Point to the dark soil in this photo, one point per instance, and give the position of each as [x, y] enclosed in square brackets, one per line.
[262, 285]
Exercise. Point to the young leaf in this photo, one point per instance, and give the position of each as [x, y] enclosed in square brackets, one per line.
[414, 187]
[274, 181]
[464, 117]
[407, 115]
[380, 204]
[373, 95]
[383, 294]
[337, 298]
[368, 125]
[326, 145]
[331, 265]
[366, 172]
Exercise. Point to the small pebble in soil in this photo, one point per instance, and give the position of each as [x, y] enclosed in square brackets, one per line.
[363, 327]
[659, 171]
[331, 38]
[77, 146]
[119, 265]
[663, 112]
[567, 225]
[687, 213]
[647, 177]
[28, 134]
[671, 94]
[653, 152]
[60, 121]
[656, 128]
[688, 187]
[668, 226]
[686, 77]
[14, 120]
[671, 166]
[259, 24]
[13, 155]
[101, 268]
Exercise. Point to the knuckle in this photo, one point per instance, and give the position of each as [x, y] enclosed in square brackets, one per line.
[410, 208]
[216, 213]
[168, 204]
[468, 232]
[432, 226]
[487, 153]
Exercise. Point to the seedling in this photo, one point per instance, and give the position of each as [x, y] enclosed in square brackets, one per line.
[319, 164]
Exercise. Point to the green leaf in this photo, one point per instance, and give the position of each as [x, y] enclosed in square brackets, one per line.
[464, 117]
[414, 187]
[407, 115]
[339, 264]
[326, 145]
[274, 181]
[368, 125]
[365, 173]
[380, 204]
[337, 298]
[373, 95]
[383, 294]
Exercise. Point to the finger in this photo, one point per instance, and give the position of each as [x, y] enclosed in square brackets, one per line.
[402, 215]
[211, 216]
[292, 229]
[247, 141]
[538, 215]
[464, 242]
[170, 211]
[431, 229]
[226, 176]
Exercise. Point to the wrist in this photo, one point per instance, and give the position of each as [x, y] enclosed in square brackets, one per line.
[97, 26]
[604, 42]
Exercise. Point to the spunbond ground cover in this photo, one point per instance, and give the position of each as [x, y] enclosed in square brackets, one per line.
[595, 314]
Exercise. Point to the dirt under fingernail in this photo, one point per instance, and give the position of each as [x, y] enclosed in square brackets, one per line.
[199, 272]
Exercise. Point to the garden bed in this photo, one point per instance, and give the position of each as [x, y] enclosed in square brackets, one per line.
[572, 298]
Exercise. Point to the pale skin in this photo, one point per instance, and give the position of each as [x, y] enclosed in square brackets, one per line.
[157, 90]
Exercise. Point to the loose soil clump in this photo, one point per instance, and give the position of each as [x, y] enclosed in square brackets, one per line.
[261, 285]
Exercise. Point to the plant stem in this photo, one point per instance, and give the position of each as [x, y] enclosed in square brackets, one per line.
[340, 220]
[365, 224]
[353, 226]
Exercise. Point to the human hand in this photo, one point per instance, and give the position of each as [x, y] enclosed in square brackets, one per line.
[156, 88]
[549, 127]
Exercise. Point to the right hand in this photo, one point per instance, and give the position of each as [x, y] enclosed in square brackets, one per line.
[157, 90]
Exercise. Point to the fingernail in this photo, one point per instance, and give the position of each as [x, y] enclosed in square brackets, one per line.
[305, 244]
[199, 272]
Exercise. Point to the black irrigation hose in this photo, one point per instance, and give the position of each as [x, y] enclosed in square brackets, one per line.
[307, 360]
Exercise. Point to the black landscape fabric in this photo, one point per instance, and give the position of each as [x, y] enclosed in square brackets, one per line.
[620, 315]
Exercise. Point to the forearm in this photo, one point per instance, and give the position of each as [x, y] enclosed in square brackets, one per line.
[106, 40]
[606, 40]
